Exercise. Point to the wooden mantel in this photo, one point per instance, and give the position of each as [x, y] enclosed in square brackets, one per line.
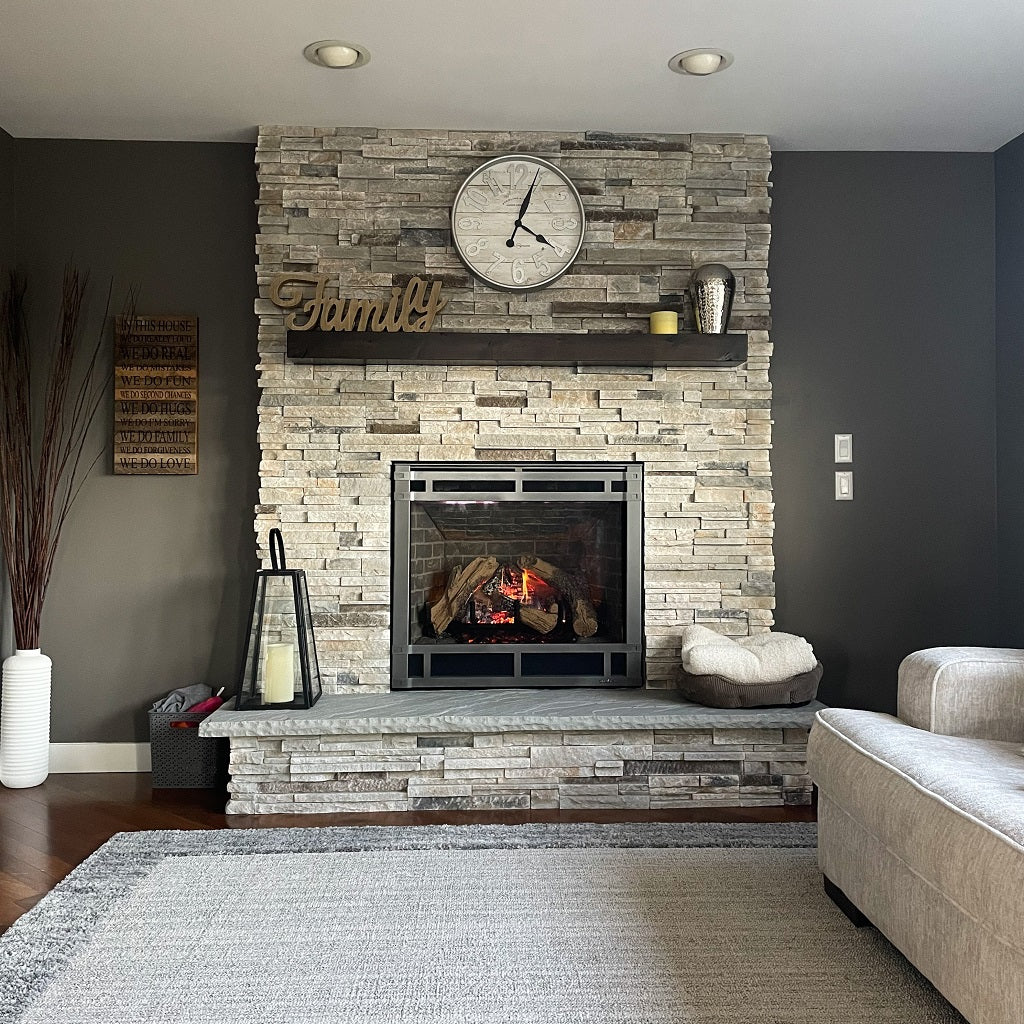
[447, 348]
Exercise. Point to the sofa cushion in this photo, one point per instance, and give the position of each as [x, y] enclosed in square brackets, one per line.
[951, 808]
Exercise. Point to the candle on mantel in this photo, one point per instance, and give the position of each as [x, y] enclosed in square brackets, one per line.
[665, 321]
[278, 677]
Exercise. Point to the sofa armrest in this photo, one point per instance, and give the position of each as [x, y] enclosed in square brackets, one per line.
[964, 691]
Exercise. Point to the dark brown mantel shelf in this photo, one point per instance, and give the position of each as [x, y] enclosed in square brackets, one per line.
[448, 348]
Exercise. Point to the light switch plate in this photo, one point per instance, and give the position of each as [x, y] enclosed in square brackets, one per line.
[844, 447]
[844, 485]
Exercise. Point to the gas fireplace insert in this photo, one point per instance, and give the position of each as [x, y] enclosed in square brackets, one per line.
[512, 575]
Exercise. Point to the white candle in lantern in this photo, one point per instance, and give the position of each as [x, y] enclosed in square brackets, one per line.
[278, 685]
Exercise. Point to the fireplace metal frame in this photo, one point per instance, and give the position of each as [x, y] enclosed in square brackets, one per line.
[621, 664]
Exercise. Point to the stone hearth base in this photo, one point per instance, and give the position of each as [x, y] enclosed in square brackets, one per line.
[514, 749]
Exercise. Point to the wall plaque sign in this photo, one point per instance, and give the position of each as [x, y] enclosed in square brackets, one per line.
[411, 310]
[156, 399]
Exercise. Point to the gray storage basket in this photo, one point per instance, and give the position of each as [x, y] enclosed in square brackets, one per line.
[182, 759]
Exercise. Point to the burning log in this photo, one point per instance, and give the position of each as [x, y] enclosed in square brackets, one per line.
[536, 618]
[464, 581]
[584, 617]
[461, 584]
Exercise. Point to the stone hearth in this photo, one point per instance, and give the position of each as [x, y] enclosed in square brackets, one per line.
[513, 749]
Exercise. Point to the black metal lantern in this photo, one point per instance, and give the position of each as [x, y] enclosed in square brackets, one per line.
[280, 668]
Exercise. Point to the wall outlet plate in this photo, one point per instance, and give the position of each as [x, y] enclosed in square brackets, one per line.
[844, 485]
[844, 447]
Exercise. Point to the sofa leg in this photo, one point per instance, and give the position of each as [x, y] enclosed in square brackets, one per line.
[844, 903]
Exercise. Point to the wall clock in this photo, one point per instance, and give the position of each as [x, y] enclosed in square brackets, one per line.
[517, 222]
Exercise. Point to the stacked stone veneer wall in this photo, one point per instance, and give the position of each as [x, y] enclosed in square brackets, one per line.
[370, 207]
[643, 769]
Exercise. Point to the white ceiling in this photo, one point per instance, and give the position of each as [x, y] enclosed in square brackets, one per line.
[811, 74]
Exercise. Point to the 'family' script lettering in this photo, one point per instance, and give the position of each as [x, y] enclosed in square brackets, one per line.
[413, 309]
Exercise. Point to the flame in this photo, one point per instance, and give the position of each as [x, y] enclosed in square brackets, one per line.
[526, 586]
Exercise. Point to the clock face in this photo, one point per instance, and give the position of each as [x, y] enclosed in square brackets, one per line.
[517, 222]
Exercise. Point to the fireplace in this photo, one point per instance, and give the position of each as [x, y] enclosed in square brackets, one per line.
[511, 575]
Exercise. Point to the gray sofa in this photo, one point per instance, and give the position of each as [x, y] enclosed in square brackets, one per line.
[921, 822]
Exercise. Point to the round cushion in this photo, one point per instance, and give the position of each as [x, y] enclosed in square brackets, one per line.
[719, 692]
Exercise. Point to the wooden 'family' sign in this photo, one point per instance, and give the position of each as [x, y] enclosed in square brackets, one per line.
[411, 311]
[156, 399]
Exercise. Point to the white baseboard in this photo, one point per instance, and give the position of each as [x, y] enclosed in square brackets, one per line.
[68, 758]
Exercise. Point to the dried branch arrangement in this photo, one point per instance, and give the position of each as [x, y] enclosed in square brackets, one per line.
[43, 461]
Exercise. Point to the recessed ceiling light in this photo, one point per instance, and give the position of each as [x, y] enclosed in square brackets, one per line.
[333, 53]
[705, 61]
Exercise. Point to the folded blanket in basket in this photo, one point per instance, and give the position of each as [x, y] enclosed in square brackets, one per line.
[182, 698]
[764, 658]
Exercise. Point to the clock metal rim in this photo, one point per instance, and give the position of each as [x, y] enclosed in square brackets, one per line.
[504, 158]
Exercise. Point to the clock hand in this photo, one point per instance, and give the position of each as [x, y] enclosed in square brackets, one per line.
[529, 193]
[540, 238]
[522, 211]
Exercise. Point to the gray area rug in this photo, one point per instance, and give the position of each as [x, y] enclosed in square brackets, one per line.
[525, 924]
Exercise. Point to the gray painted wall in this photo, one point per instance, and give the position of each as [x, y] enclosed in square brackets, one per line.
[154, 573]
[883, 303]
[8, 200]
[8, 257]
[1009, 176]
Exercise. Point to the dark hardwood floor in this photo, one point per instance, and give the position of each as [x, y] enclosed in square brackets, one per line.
[48, 830]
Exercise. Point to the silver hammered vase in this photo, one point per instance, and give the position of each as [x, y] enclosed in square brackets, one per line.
[711, 290]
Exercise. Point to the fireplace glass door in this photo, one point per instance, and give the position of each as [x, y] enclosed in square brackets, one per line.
[516, 576]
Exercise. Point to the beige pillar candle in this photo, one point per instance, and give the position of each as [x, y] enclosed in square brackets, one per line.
[665, 321]
[278, 678]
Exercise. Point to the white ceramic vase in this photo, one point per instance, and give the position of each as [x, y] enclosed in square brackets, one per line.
[25, 720]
